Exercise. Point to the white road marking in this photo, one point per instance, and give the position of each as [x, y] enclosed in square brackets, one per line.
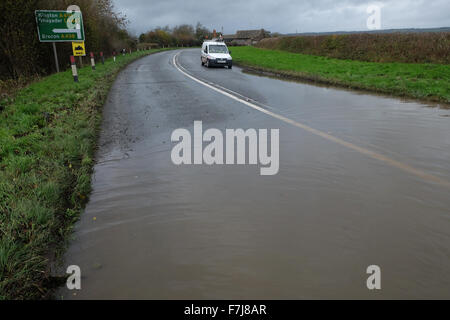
[372, 154]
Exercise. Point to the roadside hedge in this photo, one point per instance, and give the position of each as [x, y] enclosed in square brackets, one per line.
[429, 47]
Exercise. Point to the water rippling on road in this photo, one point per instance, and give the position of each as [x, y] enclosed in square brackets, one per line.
[156, 230]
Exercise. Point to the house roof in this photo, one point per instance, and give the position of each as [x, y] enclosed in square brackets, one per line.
[246, 34]
[249, 34]
[229, 36]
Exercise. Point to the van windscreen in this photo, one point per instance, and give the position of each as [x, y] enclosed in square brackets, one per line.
[217, 49]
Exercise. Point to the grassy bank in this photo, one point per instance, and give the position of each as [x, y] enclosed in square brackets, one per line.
[422, 81]
[48, 136]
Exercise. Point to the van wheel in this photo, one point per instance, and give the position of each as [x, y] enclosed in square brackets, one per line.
[230, 67]
[207, 63]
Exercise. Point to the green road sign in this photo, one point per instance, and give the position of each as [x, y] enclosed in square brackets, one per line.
[59, 26]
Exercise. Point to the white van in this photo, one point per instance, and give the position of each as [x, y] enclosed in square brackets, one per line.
[215, 53]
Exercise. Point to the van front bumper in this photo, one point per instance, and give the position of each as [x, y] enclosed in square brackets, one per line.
[216, 63]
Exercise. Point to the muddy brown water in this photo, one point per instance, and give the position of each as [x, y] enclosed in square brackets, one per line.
[153, 230]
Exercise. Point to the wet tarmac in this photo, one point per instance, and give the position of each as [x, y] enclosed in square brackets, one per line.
[154, 230]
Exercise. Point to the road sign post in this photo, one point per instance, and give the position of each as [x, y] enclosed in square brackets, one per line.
[92, 61]
[56, 57]
[74, 69]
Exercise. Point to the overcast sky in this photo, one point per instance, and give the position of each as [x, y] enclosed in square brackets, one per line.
[285, 16]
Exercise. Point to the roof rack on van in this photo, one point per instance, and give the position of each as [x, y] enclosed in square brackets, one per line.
[220, 39]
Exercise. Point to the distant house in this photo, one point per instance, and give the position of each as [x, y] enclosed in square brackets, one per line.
[246, 37]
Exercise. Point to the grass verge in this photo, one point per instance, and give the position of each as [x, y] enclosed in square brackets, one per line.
[48, 135]
[421, 81]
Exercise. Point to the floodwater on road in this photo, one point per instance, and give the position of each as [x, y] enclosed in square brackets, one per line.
[154, 230]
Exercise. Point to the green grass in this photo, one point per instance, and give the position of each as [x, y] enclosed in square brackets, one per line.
[48, 135]
[421, 81]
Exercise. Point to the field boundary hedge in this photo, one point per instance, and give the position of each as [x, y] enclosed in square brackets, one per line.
[427, 47]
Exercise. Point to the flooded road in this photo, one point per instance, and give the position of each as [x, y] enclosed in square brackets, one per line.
[154, 230]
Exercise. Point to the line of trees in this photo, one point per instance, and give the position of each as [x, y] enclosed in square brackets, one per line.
[21, 53]
[183, 35]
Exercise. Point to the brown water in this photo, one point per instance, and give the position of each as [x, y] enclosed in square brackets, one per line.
[156, 230]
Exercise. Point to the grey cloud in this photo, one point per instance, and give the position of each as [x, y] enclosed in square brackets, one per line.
[284, 16]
